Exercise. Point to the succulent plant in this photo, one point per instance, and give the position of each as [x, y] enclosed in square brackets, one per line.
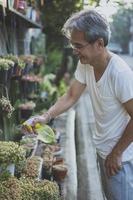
[11, 152]
[28, 189]
[34, 189]
[33, 167]
[47, 190]
[10, 189]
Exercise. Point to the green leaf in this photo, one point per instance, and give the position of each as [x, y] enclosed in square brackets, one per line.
[46, 134]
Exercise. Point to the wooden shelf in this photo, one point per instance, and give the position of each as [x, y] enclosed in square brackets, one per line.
[22, 18]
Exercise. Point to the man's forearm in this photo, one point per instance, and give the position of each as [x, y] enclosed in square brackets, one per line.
[66, 101]
[63, 104]
[113, 161]
[126, 138]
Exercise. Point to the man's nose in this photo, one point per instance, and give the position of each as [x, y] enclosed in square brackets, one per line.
[75, 51]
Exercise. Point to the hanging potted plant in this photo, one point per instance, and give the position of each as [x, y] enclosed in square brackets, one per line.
[26, 109]
[6, 110]
[10, 154]
[28, 60]
[5, 65]
[19, 64]
[38, 61]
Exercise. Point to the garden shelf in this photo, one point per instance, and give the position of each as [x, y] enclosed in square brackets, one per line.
[21, 18]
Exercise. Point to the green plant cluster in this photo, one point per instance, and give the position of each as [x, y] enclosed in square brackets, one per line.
[39, 190]
[28, 189]
[11, 152]
[6, 64]
[53, 91]
[10, 189]
[16, 60]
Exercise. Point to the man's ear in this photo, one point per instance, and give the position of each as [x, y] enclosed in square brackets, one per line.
[100, 43]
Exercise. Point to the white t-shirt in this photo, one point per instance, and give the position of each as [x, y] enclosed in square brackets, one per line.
[107, 95]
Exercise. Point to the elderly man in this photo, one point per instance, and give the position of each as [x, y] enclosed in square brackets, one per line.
[110, 85]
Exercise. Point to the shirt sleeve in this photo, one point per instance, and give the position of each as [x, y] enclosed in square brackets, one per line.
[80, 73]
[124, 86]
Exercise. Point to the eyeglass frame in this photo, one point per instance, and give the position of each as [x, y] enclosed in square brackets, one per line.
[80, 47]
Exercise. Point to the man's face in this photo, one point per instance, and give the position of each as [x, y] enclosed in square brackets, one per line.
[85, 51]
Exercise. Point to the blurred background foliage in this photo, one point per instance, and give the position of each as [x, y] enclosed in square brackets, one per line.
[54, 15]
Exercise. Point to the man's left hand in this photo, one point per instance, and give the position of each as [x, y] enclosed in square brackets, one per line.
[113, 163]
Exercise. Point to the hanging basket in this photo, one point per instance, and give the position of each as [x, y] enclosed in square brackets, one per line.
[3, 77]
[17, 71]
[3, 91]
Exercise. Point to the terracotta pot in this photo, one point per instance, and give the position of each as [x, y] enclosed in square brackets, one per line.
[59, 172]
[59, 161]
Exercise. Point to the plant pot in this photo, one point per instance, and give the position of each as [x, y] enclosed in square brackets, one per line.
[3, 77]
[17, 71]
[59, 161]
[10, 168]
[9, 76]
[59, 172]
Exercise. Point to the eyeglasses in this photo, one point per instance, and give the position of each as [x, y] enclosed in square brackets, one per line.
[78, 46]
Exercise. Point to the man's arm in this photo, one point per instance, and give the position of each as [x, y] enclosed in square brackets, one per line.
[62, 104]
[67, 100]
[113, 160]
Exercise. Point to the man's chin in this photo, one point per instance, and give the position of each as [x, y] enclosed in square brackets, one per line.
[83, 61]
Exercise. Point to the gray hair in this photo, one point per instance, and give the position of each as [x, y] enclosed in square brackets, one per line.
[91, 23]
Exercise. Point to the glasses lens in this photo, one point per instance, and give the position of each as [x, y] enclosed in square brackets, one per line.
[77, 46]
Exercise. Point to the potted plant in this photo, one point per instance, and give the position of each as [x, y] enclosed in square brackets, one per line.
[34, 189]
[10, 154]
[26, 109]
[27, 189]
[33, 167]
[5, 66]
[29, 142]
[19, 64]
[10, 189]
[59, 172]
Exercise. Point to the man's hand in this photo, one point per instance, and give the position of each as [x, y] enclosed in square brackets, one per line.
[29, 125]
[113, 163]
